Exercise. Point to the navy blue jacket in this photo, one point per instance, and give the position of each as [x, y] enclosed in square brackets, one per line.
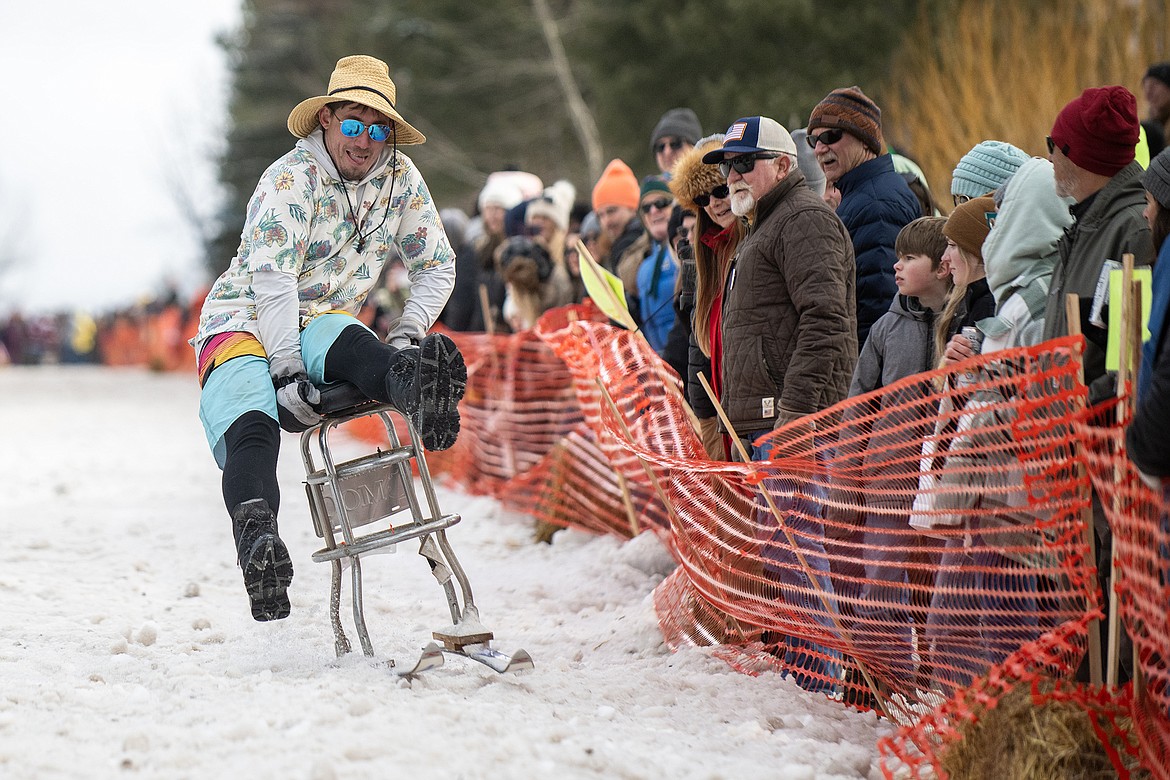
[875, 205]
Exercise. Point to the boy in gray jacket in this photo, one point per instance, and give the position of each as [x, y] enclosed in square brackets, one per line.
[876, 485]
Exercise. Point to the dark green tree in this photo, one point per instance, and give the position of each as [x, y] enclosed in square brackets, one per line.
[725, 59]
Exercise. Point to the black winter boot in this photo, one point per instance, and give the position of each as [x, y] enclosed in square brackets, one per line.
[263, 558]
[427, 385]
[402, 385]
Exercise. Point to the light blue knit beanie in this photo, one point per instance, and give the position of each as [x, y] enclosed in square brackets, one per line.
[987, 166]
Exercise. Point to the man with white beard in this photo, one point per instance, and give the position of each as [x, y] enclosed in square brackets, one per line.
[1092, 152]
[789, 297]
[789, 345]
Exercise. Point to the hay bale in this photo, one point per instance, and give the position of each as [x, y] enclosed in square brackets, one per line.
[1020, 740]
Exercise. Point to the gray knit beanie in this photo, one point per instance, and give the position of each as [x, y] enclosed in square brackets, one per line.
[1156, 179]
[678, 122]
[983, 169]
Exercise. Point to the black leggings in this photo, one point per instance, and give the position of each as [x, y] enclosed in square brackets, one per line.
[253, 440]
[249, 469]
[359, 357]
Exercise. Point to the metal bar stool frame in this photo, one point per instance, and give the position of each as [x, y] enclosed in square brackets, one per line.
[385, 478]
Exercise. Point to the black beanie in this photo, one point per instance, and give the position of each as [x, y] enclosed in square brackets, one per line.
[1159, 71]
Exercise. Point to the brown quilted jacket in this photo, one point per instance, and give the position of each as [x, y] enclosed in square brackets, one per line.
[789, 312]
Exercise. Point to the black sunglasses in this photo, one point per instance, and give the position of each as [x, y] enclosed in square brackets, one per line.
[718, 193]
[744, 163]
[1052, 146]
[674, 145]
[661, 204]
[827, 137]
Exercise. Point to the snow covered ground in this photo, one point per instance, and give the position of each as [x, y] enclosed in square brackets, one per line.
[127, 648]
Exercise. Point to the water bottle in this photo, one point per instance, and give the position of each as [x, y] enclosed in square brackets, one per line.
[974, 337]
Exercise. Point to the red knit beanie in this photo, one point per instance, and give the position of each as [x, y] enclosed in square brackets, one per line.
[1099, 130]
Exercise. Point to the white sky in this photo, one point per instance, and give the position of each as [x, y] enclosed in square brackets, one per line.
[112, 107]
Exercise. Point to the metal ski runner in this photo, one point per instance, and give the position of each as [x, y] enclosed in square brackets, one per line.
[493, 659]
[430, 658]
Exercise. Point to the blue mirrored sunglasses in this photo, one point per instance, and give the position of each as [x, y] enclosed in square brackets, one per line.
[352, 128]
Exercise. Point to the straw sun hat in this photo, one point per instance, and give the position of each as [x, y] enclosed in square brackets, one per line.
[357, 79]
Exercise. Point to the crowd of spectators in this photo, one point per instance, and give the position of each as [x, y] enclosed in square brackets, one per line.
[151, 333]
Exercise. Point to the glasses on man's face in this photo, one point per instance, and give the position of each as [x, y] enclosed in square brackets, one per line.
[827, 137]
[961, 199]
[1052, 146]
[674, 145]
[352, 128]
[744, 163]
[661, 204]
[718, 193]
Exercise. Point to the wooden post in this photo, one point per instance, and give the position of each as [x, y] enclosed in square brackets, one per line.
[1137, 326]
[1073, 315]
[628, 502]
[489, 322]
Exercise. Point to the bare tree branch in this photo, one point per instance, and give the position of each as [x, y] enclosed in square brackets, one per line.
[583, 122]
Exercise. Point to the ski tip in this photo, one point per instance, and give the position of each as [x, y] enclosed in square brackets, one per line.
[495, 660]
[521, 661]
[431, 657]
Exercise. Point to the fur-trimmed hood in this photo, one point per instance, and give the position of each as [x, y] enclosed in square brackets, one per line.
[692, 177]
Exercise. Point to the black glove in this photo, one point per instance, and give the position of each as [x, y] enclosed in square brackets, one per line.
[296, 396]
[1103, 388]
[690, 278]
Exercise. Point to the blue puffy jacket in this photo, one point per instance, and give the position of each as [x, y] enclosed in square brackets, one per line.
[656, 277]
[875, 205]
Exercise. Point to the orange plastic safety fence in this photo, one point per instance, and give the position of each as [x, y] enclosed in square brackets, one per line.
[530, 434]
[155, 339]
[922, 548]
[1139, 518]
[902, 543]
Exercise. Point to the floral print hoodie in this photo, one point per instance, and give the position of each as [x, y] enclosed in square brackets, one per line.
[299, 222]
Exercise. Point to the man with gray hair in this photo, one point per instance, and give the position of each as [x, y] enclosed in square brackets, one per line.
[1091, 146]
[875, 202]
[789, 346]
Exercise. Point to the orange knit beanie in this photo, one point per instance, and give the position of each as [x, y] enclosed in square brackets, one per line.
[618, 186]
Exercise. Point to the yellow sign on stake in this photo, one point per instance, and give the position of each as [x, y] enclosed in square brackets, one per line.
[1116, 286]
[606, 290]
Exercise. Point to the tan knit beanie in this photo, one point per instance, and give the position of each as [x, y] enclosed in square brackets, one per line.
[969, 224]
